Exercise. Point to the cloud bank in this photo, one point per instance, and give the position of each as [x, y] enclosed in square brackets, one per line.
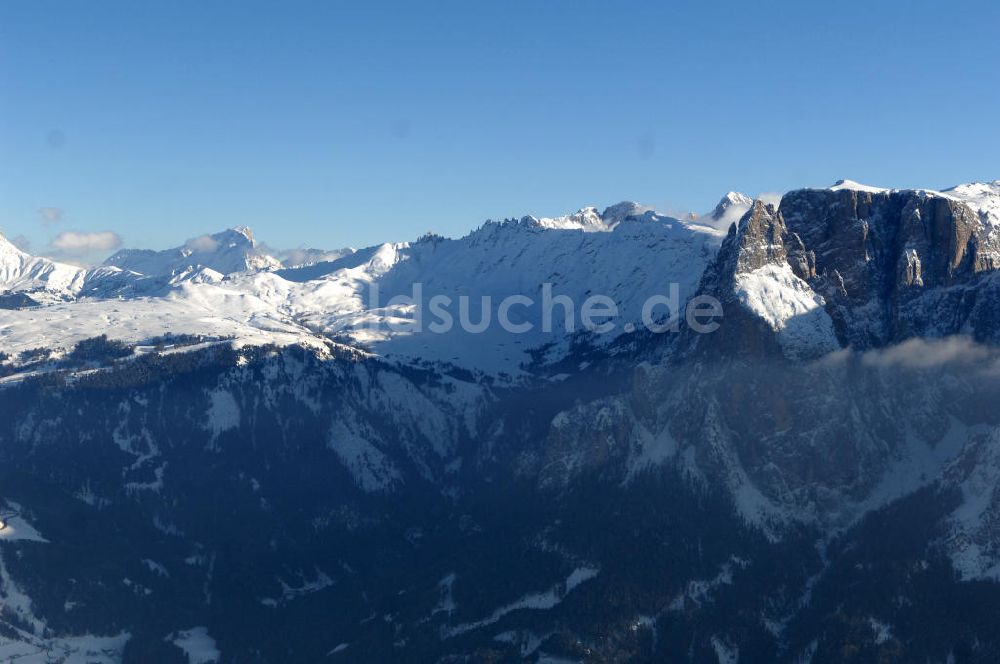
[75, 243]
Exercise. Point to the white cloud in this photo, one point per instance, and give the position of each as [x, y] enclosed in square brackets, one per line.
[75, 243]
[930, 354]
[203, 243]
[955, 353]
[50, 215]
[770, 197]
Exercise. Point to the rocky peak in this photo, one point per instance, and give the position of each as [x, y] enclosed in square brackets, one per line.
[615, 214]
[245, 231]
[761, 238]
[758, 278]
[732, 199]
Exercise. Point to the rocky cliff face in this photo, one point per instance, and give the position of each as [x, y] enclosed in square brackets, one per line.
[882, 266]
[894, 265]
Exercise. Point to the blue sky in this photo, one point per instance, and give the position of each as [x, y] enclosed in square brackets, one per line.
[331, 123]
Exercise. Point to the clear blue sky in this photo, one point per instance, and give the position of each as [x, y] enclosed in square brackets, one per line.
[335, 123]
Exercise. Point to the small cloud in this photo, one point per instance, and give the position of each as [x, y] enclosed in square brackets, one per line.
[955, 353]
[645, 145]
[202, 244]
[50, 215]
[770, 197]
[293, 257]
[75, 243]
[924, 354]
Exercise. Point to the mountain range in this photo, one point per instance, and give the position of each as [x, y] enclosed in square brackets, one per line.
[212, 453]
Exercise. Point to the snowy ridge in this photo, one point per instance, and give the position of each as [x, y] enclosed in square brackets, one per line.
[225, 285]
[851, 185]
[230, 251]
[589, 220]
[983, 197]
[134, 297]
[20, 271]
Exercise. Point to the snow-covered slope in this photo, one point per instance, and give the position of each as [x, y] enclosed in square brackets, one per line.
[790, 307]
[628, 253]
[632, 259]
[851, 185]
[983, 197]
[20, 271]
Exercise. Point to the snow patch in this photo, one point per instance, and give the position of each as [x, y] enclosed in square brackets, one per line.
[851, 185]
[534, 601]
[223, 412]
[373, 471]
[790, 307]
[197, 645]
[13, 527]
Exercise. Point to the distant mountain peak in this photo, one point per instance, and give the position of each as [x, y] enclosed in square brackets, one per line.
[589, 220]
[245, 231]
[615, 214]
[732, 199]
[226, 252]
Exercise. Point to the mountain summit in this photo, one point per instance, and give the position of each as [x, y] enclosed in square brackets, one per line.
[228, 252]
[19, 271]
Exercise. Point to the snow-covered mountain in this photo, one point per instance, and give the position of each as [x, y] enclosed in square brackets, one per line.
[304, 257]
[852, 265]
[20, 271]
[204, 453]
[230, 251]
[631, 255]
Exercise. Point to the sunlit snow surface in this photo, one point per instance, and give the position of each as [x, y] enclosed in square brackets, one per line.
[540, 601]
[983, 197]
[791, 307]
[14, 528]
[356, 298]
